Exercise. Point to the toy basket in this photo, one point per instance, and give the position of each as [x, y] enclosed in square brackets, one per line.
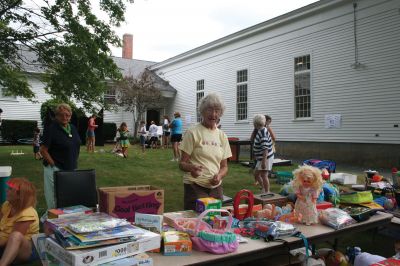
[204, 238]
[283, 177]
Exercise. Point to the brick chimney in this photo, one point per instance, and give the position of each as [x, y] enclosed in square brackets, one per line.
[127, 41]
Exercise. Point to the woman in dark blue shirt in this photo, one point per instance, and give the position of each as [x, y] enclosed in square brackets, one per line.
[60, 149]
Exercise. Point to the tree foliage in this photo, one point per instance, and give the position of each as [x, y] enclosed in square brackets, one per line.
[136, 95]
[70, 42]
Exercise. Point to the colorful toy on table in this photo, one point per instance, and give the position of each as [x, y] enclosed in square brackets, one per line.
[269, 211]
[203, 204]
[307, 185]
[220, 222]
[325, 174]
[176, 243]
[247, 195]
[386, 203]
[331, 193]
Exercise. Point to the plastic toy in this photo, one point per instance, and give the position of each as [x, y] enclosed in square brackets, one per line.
[246, 195]
[307, 185]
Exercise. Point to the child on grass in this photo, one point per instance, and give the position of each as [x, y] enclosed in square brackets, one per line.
[123, 138]
[36, 144]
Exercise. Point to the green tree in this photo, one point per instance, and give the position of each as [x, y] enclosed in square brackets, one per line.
[136, 95]
[70, 42]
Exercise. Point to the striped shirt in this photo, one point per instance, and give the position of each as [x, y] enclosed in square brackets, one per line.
[262, 141]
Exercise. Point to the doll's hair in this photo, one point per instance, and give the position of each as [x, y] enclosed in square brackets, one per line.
[316, 173]
[26, 193]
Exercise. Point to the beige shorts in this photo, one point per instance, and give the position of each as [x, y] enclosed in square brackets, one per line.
[270, 161]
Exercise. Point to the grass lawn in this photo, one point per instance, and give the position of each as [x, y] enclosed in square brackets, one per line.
[152, 168]
[155, 168]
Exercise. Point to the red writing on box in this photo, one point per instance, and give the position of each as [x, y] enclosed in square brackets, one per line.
[125, 207]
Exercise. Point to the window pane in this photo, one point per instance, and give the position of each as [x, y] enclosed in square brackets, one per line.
[302, 86]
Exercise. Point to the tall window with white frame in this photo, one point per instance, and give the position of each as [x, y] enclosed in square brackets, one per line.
[110, 96]
[199, 96]
[302, 86]
[241, 94]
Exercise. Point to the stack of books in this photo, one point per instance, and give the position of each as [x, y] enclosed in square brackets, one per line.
[96, 238]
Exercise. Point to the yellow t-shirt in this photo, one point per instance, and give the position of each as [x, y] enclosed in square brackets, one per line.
[7, 223]
[207, 148]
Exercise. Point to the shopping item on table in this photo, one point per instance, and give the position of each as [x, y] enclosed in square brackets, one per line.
[336, 218]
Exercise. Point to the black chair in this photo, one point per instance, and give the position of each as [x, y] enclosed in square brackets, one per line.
[75, 188]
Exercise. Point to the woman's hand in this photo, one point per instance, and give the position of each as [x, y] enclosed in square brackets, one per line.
[196, 170]
[263, 164]
[215, 180]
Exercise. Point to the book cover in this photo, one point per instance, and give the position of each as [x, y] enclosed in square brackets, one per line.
[116, 232]
[68, 211]
[151, 222]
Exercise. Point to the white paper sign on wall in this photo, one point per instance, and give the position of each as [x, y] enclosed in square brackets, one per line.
[333, 121]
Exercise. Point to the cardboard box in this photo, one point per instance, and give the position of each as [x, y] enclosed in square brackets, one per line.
[68, 211]
[343, 178]
[270, 198]
[96, 256]
[125, 201]
[243, 209]
[137, 260]
[169, 217]
[203, 204]
[176, 243]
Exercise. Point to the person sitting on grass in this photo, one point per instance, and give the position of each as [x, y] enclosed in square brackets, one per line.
[18, 222]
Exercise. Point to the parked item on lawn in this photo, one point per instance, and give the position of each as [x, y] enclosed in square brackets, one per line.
[343, 178]
[322, 164]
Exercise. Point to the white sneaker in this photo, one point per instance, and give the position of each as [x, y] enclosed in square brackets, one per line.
[172, 160]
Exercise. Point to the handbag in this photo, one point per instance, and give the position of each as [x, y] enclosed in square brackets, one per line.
[205, 238]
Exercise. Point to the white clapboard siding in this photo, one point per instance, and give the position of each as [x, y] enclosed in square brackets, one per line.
[22, 109]
[367, 98]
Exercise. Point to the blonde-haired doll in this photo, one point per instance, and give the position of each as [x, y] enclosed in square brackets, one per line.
[307, 185]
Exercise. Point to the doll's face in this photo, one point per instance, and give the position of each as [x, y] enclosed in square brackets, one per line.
[307, 179]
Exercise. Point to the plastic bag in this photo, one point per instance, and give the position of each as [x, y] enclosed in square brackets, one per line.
[336, 218]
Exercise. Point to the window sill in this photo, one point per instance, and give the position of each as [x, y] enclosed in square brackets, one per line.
[302, 119]
[242, 122]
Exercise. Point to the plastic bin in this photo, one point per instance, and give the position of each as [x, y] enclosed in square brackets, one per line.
[233, 143]
[283, 177]
[5, 173]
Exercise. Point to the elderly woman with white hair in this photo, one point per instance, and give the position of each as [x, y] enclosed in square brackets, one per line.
[60, 149]
[263, 152]
[205, 150]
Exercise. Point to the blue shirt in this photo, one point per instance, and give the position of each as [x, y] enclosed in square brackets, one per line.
[176, 126]
[63, 149]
